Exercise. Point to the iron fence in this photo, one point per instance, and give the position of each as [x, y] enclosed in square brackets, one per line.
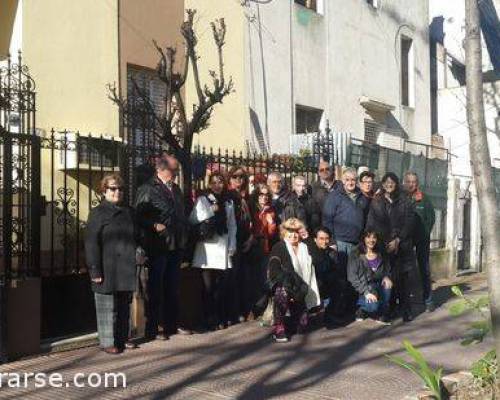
[71, 166]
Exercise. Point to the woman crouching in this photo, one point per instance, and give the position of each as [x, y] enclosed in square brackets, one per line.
[292, 281]
[370, 273]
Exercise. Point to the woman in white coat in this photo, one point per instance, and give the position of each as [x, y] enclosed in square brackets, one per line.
[214, 218]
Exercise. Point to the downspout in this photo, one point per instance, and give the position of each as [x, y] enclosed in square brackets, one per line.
[292, 99]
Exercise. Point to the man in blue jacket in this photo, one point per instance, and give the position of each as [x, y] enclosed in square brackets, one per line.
[344, 214]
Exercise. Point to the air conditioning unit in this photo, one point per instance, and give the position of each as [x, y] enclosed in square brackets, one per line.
[86, 153]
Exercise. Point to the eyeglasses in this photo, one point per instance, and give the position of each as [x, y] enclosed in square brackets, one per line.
[115, 188]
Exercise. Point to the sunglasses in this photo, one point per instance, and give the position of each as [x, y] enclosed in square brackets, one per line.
[115, 188]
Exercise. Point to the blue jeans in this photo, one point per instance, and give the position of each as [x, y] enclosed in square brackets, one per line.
[381, 306]
[163, 292]
[344, 248]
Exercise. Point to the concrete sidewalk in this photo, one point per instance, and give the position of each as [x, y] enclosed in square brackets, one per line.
[242, 362]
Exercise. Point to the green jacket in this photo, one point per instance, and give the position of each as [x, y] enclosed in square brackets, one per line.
[426, 215]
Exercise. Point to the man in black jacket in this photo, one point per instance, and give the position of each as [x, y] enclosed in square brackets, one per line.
[161, 215]
[279, 194]
[332, 280]
[325, 184]
[299, 204]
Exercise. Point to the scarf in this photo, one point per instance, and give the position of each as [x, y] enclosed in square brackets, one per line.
[220, 218]
[302, 265]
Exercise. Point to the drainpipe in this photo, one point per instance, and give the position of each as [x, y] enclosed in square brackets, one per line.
[292, 99]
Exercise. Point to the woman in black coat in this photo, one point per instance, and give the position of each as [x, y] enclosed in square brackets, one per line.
[292, 281]
[391, 215]
[112, 255]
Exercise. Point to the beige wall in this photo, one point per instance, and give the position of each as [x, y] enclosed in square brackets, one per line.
[140, 23]
[71, 48]
[7, 16]
[229, 119]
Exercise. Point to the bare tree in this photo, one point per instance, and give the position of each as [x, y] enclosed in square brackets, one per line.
[175, 126]
[481, 162]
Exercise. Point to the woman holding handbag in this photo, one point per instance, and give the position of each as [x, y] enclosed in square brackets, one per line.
[292, 281]
[215, 225]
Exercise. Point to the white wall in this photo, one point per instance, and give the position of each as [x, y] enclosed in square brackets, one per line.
[285, 65]
[349, 51]
[365, 61]
[452, 122]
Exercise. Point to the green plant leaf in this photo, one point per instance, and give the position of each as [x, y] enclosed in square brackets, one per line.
[457, 291]
[483, 302]
[458, 308]
[483, 325]
[431, 378]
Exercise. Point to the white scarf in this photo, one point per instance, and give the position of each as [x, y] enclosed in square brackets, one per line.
[302, 264]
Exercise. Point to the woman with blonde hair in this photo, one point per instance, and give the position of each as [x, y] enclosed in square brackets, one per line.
[292, 281]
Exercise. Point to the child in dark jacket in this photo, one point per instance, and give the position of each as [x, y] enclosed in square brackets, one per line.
[370, 273]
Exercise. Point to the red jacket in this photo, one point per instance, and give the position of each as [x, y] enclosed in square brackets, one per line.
[263, 230]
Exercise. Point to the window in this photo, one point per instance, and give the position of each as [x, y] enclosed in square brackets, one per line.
[141, 123]
[307, 119]
[310, 4]
[372, 131]
[407, 72]
[373, 3]
[149, 83]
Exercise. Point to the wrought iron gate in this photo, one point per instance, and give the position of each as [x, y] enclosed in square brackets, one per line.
[20, 173]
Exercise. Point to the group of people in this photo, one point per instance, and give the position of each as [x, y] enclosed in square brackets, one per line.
[340, 249]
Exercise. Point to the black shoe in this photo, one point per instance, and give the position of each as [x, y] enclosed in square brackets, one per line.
[430, 307]
[384, 320]
[280, 338]
[361, 315]
[407, 316]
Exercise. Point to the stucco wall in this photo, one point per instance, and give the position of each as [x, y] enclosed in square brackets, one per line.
[71, 49]
[227, 122]
[142, 22]
[7, 17]
[350, 51]
[364, 45]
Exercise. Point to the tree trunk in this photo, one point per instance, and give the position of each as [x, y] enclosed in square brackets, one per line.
[481, 163]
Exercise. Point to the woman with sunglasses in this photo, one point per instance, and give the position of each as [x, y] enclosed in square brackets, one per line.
[265, 232]
[112, 254]
[240, 279]
[213, 215]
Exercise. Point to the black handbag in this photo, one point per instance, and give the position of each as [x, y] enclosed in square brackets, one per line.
[206, 229]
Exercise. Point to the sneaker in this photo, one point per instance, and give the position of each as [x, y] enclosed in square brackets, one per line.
[280, 338]
[384, 320]
[361, 315]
